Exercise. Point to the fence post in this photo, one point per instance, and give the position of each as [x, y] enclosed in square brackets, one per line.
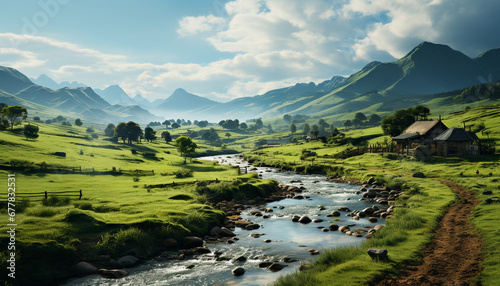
[80, 195]
[45, 194]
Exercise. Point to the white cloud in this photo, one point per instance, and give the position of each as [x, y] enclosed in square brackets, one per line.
[271, 44]
[189, 26]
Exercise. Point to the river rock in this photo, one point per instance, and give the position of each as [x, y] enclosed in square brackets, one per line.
[170, 242]
[267, 240]
[298, 197]
[127, 261]
[321, 208]
[373, 219]
[238, 271]
[192, 241]
[275, 267]
[344, 228]
[295, 218]
[257, 235]
[344, 209]
[371, 181]
[289, 260]
[202, 250]
[325, 230]
[241, 259]
[304, 219]
[333, 227]
[269, 210]
[317, 220]
[368, 211]
[85, 268]
[265, 264]
[335, 213]
[369, 195]
[419, 175]
[112, 273]
[252, 226]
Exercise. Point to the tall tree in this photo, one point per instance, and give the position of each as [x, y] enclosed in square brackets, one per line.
[347, 123]
[293, 128]
[185, 146]
[202, 124]
[397, 122]
[306, 129]
[243, 126]
[259, 124]
[13, 113]
[323, 123]
[357, 122]
[166, 123]
[176, 125]
[374, 118]
[109, 131]
[31, 131]
[287, 118]
[134, 132]
[360, 116]
[78, 122]
[166, 136]
[149, 134]
[121, 131]
[228, 135]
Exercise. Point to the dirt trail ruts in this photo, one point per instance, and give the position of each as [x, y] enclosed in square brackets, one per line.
[454, 256]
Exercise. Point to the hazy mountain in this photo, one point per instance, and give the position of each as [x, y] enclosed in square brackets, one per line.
[143, 102]
[181, 101]
[46, 81]
[12, 81]
[68, 99]
[114, 94]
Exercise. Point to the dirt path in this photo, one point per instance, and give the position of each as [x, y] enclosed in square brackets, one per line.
[454, 255]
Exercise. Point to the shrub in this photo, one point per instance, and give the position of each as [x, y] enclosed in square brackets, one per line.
[42, 212]
[149, 155]
[90, 129]
[184, 173]
[133, 150]
[56, 201]
[95, 136]
[83, 205]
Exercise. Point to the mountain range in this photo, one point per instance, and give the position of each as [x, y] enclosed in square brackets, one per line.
[426, 70]
[16, 88]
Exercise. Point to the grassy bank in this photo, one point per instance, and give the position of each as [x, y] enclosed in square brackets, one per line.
[120, 212]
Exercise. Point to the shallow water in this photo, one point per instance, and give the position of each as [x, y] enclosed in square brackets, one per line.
[288, 238]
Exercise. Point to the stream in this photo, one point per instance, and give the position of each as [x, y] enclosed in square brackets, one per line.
[288, 239]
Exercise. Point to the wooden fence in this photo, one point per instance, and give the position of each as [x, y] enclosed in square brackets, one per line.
[76, 170]
[40, 196]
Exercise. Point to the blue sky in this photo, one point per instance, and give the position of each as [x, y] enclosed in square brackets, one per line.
[223, 49]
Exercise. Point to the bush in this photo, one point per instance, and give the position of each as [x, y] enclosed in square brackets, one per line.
[42, 212]
[90, 130]
[56, 201]
[149, 155]
[83, 205]
[184, 173]
[133, 150]
[95, 136]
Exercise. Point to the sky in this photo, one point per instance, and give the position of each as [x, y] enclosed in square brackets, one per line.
[224, 49]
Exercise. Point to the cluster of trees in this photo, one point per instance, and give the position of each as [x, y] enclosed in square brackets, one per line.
[129, 132]
[316, 130]
[362, 120]
[478, 92]
[174, 124]
[230, 124]
[397, 122]
[296, 118]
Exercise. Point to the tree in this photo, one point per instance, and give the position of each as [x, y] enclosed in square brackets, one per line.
[189, 122]
[149, 134]
[228, 135]
[185, 146]
[176, 125]
[357, 122]
[179, 121]
[374, 119]
[287, 118]
[323, 123]
[360, 116]
[166, 123]
[36, 118]
[166, 136]
[243, 126]
[60, 118]
[48, 121]
[31, 131]
[397, 122]
[109, 131]
[347, 123]
[259, 124]
[420, 111]
[315, 128]
[121, 131]
[315, 133]
[306, 129]
[78, 122]
[134, 131]
[4, 123]
[12, 113]
[202, 124]
[293, 128]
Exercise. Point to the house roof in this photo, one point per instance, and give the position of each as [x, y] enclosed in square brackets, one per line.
[408, 136]
[455, 134]
[422, 127]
